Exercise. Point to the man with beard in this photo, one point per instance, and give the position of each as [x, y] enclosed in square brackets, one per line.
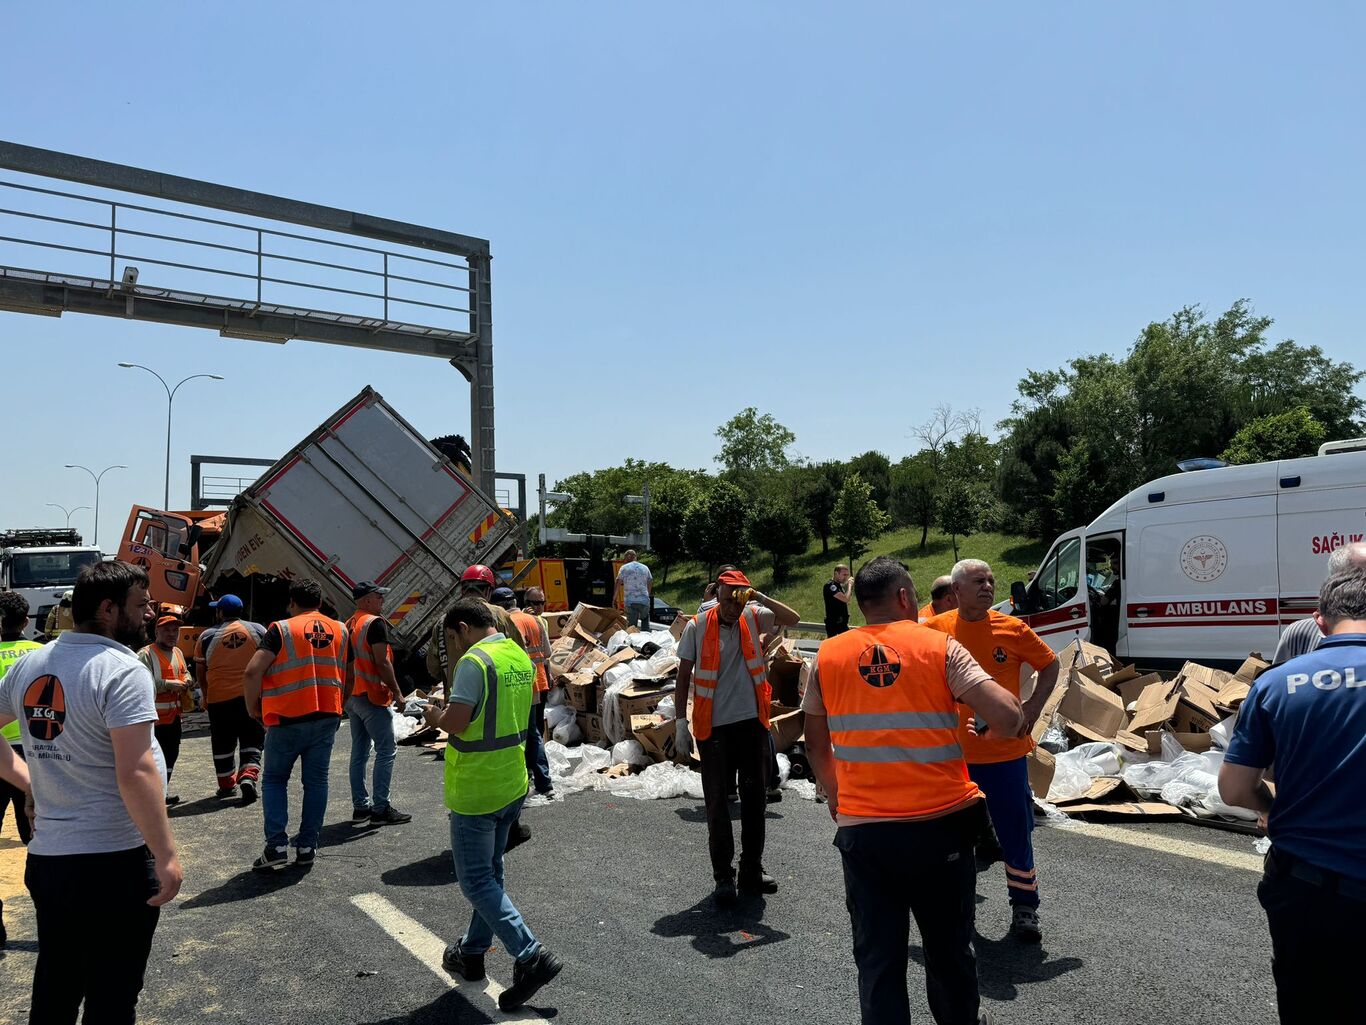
[102, 860]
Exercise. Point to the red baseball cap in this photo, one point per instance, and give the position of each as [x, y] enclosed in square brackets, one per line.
[735, 578]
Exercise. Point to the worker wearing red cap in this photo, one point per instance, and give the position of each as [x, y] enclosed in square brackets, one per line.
[165, 662]
[722, 665]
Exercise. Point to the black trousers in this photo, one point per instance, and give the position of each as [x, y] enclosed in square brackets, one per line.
[1317, 945]
[835, 627]
[94, 934]
[168, 736]
[236, 738]
[743, 748]
[895, 870]
[11, 796]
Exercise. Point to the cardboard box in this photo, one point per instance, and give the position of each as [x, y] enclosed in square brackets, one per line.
[1092, 711]
[1135, 809]
[1197, 743]
[598, 622]
[784, 674]
[656, 735]
[590, 726]
[787, 725]
[1041, 765]
[1190, 718]
[1050, 708]
[1130, 690]
[1210, 679]
[641, 698]
[581, 690]
[679, 624]
[1155, 706]
[626, 654]
[555, 623]
[1081, 653]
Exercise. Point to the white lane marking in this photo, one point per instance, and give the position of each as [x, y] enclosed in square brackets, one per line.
[1168, 845]
[429, 948]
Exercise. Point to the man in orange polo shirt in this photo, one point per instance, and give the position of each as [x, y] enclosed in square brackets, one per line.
[1001, 644]
[942, 599]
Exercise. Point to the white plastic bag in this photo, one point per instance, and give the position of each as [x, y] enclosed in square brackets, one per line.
[661, 780]
[568, 733]
[617, 641]
[630, 752]
[1096, 759]
[1070, 780]
[1054, 739]
[616, 680]
[661, 639]
[666, 708]
[784, 768]
[555, 698]
[558, 715]
[404, 727]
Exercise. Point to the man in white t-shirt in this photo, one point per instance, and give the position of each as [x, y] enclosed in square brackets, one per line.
[636, 590]
[102, 860]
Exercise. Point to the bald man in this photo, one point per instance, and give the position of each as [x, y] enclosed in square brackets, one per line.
[942, 598]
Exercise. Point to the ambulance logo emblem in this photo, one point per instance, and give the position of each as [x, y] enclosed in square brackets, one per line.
[1204, 558]
[879, 665]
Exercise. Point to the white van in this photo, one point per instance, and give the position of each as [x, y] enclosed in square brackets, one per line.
[1207, 565]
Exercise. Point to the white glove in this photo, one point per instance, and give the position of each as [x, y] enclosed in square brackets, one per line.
[682, 739]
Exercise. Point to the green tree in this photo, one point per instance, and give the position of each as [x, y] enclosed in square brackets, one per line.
[912, 502]
[780, 529]
[876, 470]
[714, 528]
[966, 475]
[820, 486]
[959, 506]
[597, 506]
[857, 520]
[670, 500]
[753, 446]
[1285, 435]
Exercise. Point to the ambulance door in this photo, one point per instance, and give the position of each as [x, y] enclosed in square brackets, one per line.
[1320, 506]
[1056, 599]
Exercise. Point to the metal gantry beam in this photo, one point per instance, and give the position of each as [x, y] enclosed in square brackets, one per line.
[53, 291]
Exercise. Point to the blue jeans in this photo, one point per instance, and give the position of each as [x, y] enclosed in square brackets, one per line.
[286, 744]
[537, 765]
[477, 843]
[371, 723]
[638, 614]
[1010, 802]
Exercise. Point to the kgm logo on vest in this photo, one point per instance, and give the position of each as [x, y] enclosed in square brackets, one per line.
[1325, 679]
[318, 635]
[879, 665]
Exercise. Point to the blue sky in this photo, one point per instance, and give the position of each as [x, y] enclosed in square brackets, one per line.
[841, 214]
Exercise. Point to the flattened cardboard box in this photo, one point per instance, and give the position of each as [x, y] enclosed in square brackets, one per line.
[1042, 765]
[1110, 795]
[1132, 689]
[1155, 706]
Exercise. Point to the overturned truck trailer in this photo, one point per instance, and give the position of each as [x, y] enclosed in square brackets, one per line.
[364, 497]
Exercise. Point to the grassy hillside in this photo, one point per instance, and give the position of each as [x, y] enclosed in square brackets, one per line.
[1012, 558]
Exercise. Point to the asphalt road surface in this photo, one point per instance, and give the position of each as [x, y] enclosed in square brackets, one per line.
[1156, 923]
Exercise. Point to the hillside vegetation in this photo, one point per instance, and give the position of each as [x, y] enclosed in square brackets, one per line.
[1012, 558]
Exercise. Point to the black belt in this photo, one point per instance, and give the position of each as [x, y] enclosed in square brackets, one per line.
[1281, 863]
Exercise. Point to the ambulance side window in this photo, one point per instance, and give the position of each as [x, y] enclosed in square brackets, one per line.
[1057, 579]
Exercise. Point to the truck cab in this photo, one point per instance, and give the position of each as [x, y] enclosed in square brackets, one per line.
[42, 565]
[166, 544]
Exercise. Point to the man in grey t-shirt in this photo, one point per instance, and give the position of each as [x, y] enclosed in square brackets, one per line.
[102, 860]
[731, 737]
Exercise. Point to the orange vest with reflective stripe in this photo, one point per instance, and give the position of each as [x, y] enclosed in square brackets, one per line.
[707, 671]
[893, 722]
[365, 665]
[536, 641]
[171, 669]
[309, 670]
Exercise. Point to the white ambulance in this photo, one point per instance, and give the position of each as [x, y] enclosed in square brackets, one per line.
[1205, 565]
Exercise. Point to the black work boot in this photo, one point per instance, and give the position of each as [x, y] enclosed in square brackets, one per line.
[527, 977]
[757, 882]
[469, 967]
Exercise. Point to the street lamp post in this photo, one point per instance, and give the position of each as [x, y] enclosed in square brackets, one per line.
[77, 466]
[170, 398]
[69, 512]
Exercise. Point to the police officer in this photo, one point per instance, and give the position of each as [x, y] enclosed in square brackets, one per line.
[1308, 716]
[882, 736]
